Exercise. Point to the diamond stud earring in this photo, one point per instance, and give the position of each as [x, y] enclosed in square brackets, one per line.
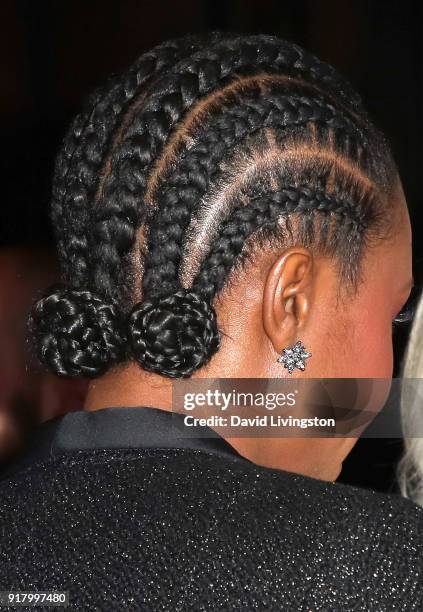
[294, 357]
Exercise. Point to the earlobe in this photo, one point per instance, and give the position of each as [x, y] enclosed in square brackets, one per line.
[287, 296]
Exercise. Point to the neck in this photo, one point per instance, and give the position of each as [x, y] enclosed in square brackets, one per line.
[128, 386]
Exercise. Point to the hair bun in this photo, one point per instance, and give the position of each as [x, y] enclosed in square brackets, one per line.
[174, 334]
[76, 332]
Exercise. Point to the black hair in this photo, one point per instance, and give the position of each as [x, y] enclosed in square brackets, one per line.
[207, 147]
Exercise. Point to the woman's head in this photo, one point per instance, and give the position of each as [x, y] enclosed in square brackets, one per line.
[222, 199]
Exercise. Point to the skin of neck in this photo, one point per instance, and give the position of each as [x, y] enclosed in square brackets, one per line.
[129, 386]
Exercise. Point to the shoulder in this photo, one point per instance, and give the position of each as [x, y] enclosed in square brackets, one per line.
[257, 535]
[201, 472]
[333, 510]
[204, 474]
[361, 545]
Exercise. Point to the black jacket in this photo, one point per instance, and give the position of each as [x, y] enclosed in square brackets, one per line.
[115, 509]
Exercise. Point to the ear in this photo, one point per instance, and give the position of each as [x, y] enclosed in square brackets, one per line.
[287, 296]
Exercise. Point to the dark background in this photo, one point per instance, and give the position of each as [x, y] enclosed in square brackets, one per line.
[54, 51]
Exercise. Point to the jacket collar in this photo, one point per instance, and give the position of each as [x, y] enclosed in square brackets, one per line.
[117, 428]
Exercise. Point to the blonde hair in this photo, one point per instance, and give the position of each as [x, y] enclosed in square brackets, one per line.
[410, 469]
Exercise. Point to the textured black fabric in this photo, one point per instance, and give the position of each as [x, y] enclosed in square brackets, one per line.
[203, 530]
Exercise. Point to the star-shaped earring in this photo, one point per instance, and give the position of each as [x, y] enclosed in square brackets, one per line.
[294, 357]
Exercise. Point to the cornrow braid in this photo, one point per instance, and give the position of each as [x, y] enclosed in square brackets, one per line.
[180, 192]
[186, 83]
[261, 214]
[202, 151]
[78, 166]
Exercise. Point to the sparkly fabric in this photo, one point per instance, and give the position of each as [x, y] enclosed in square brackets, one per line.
[190, 530]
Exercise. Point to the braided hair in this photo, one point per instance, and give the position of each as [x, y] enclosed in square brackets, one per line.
[206, 149]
